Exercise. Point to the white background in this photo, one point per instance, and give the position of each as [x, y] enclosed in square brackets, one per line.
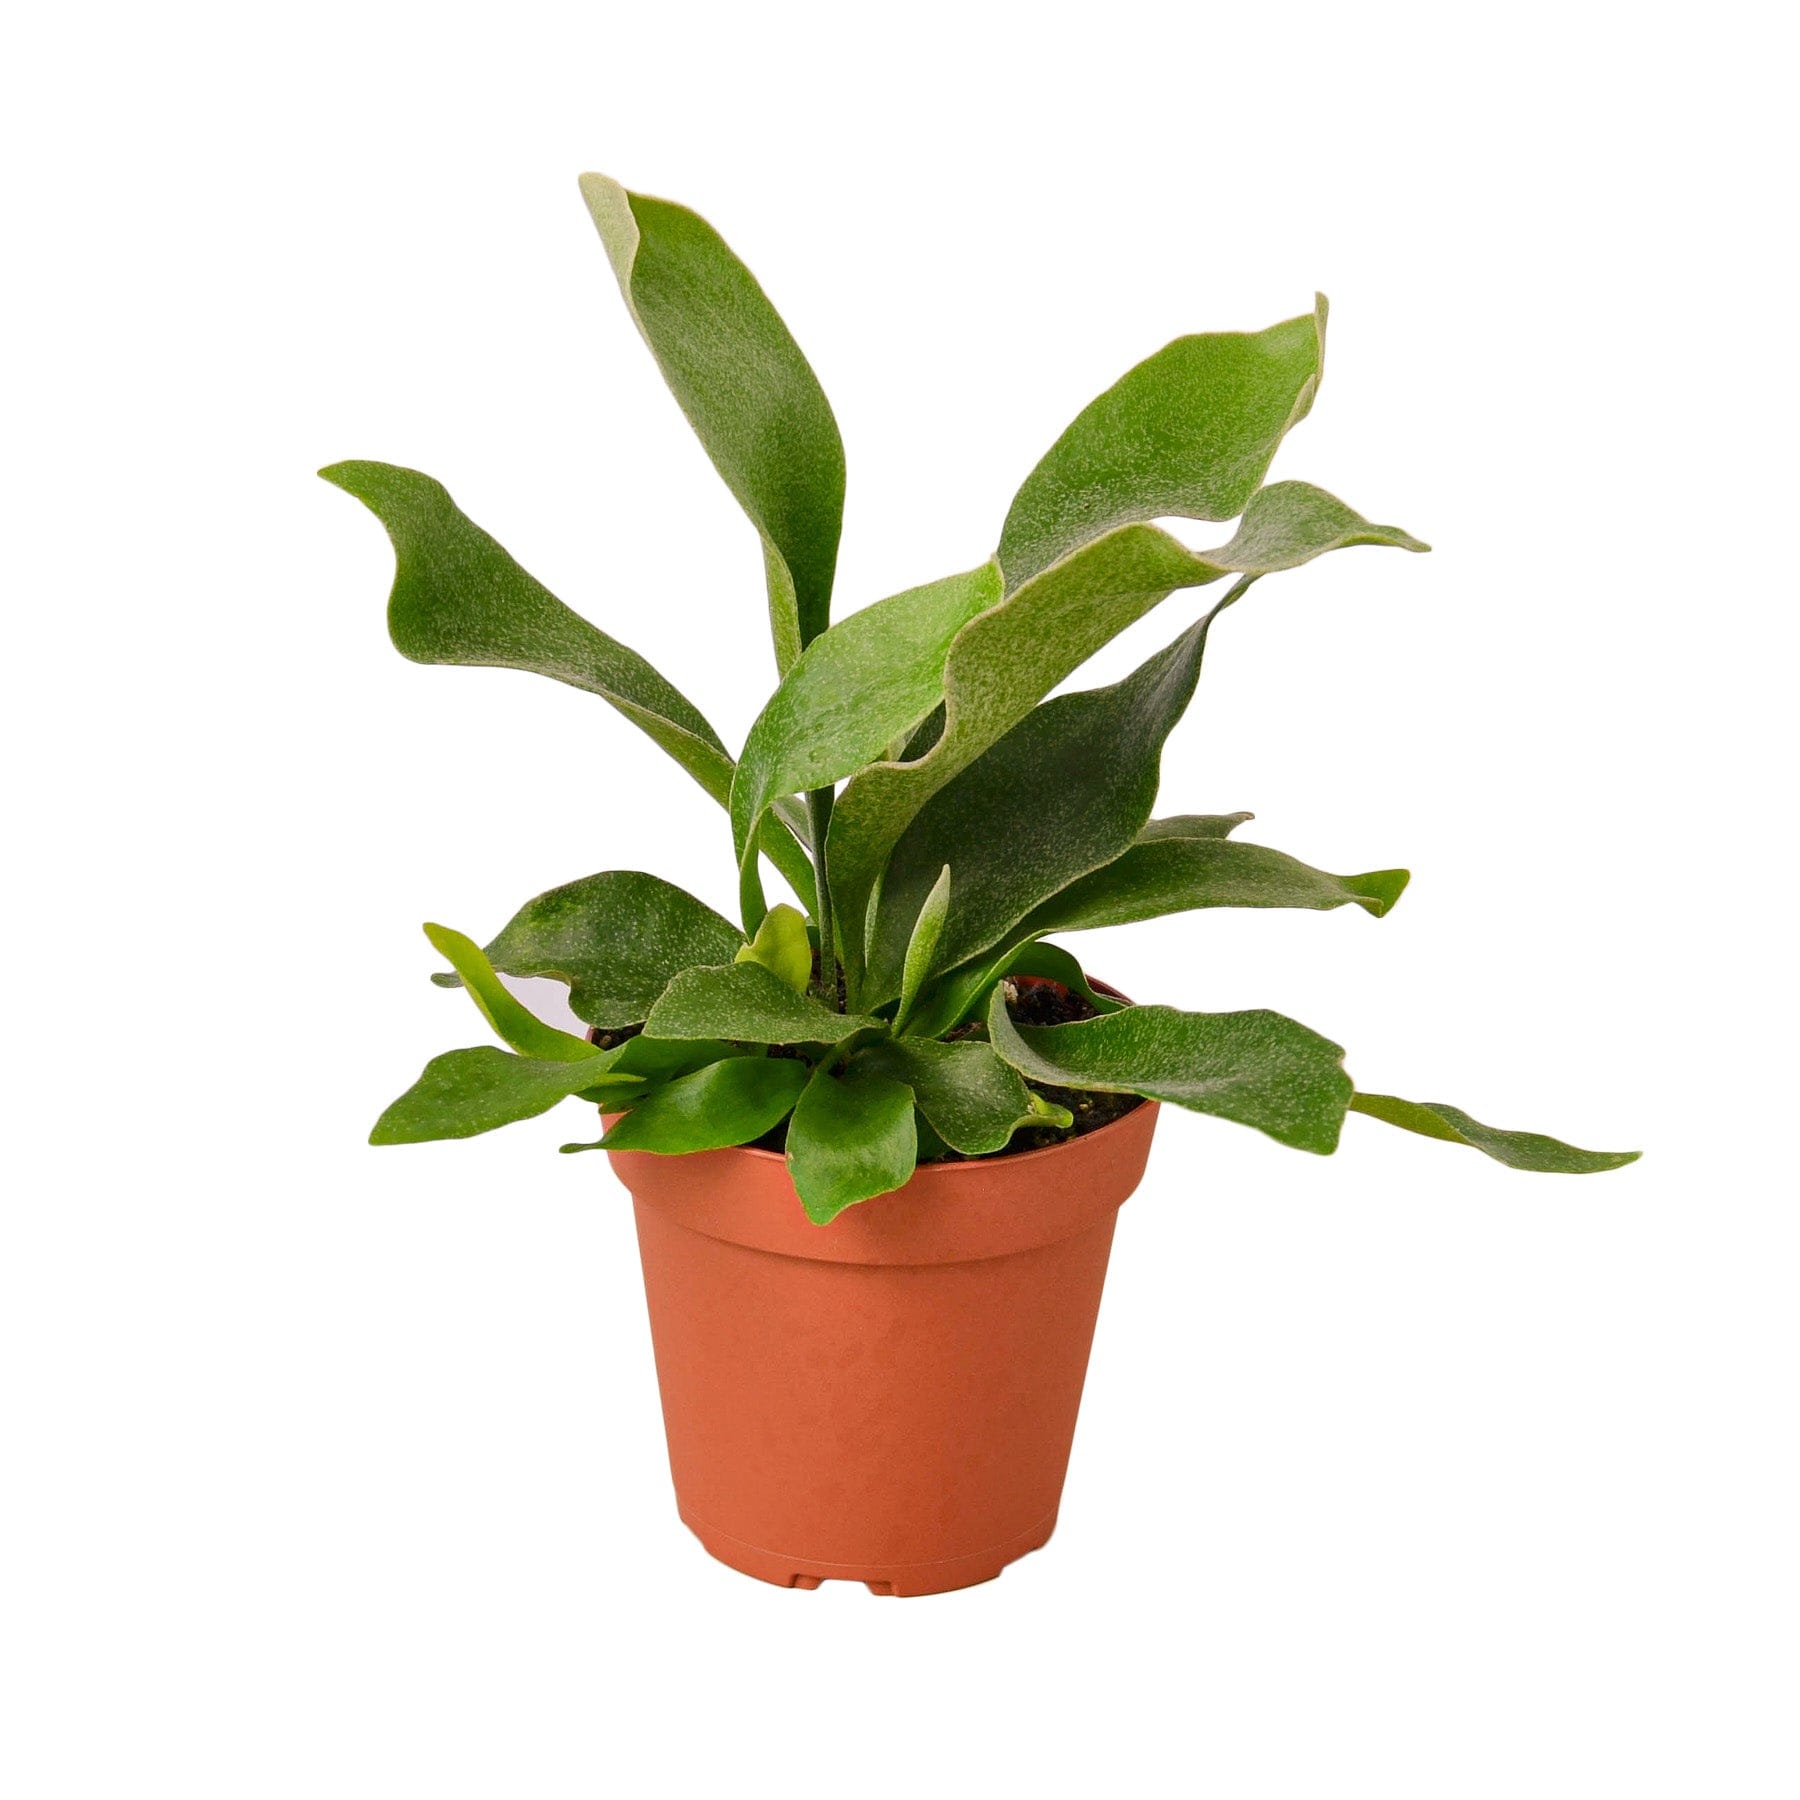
[331, 1471]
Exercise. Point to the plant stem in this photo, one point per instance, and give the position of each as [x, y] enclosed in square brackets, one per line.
[818, 807]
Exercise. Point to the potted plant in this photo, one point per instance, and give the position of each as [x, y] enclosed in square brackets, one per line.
[876, 1141]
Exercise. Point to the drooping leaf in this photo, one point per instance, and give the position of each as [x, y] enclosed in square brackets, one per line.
[1517, 1149]
[616, 938]
[725, 1103]
[459, 598]
[657, 1060]
[1257, 1068]
[973, 1100]
[465, 1092]
[749, 393]
[1006, 659]
[850, 1139]
[746, 1004]
[782, 947]
[1188, 433]
[515, 1023]
[1167, 874]
[866, 681]
[921, 946]
[1066, 790]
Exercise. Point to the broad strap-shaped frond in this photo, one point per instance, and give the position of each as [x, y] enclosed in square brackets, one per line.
[970, 1097]
[864, 683]
[1189, 433]
[1257, 1068]
[1006, 659]
[617, 939]
[460, 599]
[733, 1101]
[1517, 1149]
[746, 388]
[514, 1022]
[465, 1092]
[745, 1003]
[1065, 791]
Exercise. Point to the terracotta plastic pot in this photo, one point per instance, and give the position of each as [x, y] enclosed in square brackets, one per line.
[889, 1398]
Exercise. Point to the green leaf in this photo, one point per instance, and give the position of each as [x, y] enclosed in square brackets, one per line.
[1189, 433]
[782, 946]
[1257, 1068]
[749, 393]
[1066, 790]
[963, 993]
[1517, 1149]
[851, 1138]
[465, 1092]
[516, 1025]
[1168, 874]
[973, 1100]
[730, 1102]
[868, 680]
[664, 1059]
[1194, 825]
[921, 947]
[1006, 659]
[617, 939]
[745, 1003]
[460, 599]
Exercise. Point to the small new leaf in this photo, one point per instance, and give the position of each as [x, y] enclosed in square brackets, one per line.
[782, 947]
[515, 1024]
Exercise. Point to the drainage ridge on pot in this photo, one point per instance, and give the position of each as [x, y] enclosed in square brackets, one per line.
[890, 1398]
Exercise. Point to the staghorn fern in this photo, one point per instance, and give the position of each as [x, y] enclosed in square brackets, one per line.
[896, 778]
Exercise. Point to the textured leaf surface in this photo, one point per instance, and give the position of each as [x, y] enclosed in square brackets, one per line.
[851, 1138]
[749, 393]
[465, 1092]
[1170, 874]
[617, 939]
[730, 1102]
[1187, 433]
[865, 682]
[1066, 790]
[973, 1100]
[460, 599]
[1257, 1068]
[743, 1003]
[782, 947]
[1517, 1149]
[921, 947]
[516, 1024]
[1005, 660]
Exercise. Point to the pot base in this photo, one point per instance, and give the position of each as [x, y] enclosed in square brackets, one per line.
[901, 1579]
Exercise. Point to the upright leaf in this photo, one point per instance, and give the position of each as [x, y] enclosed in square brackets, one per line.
[850, 1139]
[782, 947]
[749, 393]
[866, 681]
[731, 1102]
[1066, 790]
[617, 939]
[744, 1003]
[1006, 659]
[921, 947]
[515, 1023]
[964, 992]
[1257, 1068]
[972, 1099]
[1517, 1149]
[1188, 433]
[460, 599]
[465, 1092]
